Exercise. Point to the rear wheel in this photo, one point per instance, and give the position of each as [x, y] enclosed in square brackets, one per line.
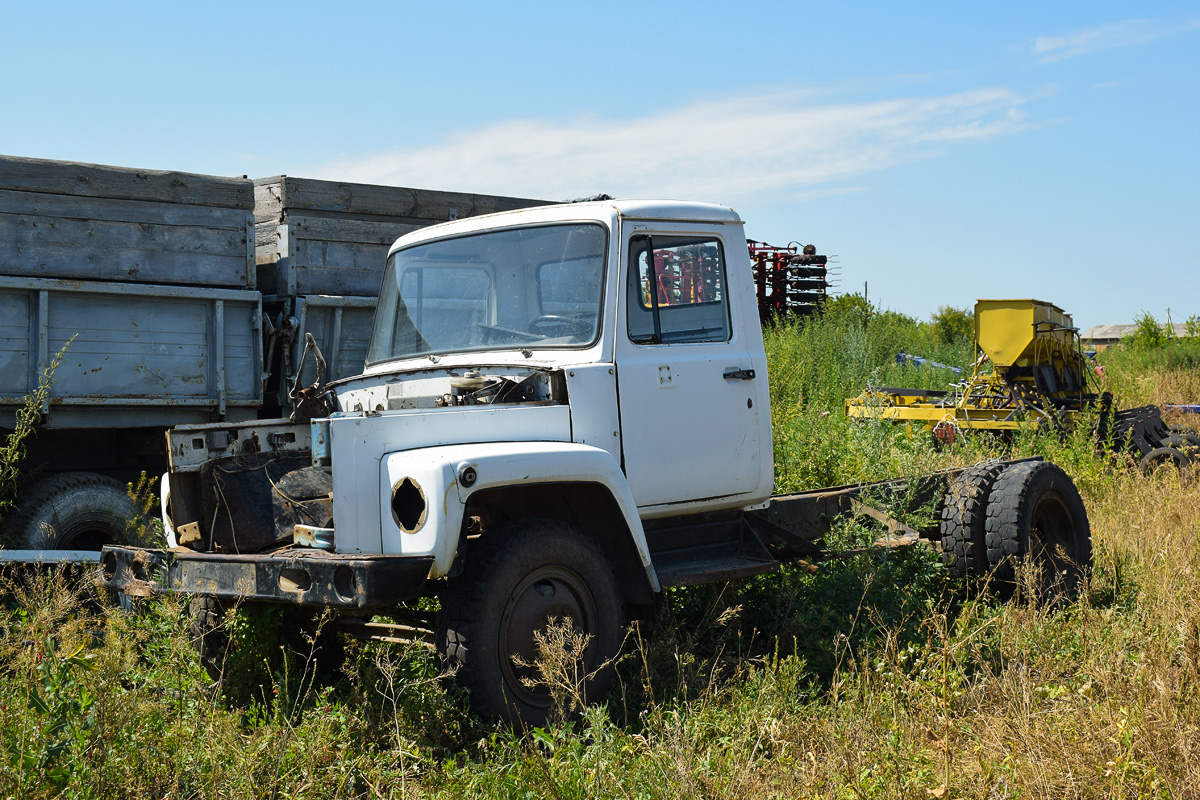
[1035, 514]
[73, 511]
[963, 531]
[521, 578]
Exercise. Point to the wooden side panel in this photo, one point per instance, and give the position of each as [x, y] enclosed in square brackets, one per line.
[331, 267]
[284, 193]
[139, 355]
[147, 347]
[313, 255]
[354, 231]
[96, 180]
[57, 236]
[17, 359]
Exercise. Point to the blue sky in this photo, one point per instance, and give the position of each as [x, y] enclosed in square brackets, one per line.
[943, 151]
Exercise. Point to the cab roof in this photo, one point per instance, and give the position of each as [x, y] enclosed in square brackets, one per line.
[657, 210]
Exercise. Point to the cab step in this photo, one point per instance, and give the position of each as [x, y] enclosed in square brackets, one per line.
[707, 548]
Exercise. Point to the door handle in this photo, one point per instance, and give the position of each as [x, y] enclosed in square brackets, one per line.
[738, 374]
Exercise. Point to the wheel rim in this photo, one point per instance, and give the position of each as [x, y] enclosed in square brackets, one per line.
[547, 593]
[1053, 539]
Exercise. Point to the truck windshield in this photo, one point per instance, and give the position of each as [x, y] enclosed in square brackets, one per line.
[519, 288]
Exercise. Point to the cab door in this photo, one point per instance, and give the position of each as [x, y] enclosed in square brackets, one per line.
[691, 374]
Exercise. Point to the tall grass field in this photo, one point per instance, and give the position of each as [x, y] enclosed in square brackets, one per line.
[874, 676]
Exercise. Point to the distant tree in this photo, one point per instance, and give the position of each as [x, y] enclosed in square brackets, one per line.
[896, 318]
[1191, 328]
[952, 325]
[1147, 333]
[853, 307]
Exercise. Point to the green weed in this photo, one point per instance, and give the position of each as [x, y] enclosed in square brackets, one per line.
[26, 417]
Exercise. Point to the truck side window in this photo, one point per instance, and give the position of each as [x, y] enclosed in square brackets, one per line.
[687, 276]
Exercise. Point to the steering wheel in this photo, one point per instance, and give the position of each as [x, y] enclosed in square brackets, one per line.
[571, 324]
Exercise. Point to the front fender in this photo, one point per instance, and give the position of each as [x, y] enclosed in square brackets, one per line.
[423, 501]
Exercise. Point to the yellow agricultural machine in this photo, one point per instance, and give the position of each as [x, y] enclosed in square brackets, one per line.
[1030, 372]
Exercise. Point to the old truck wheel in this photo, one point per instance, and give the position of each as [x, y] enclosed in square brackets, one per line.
[964, 546]
[72, 511]
[1036, 512]
[520, 578]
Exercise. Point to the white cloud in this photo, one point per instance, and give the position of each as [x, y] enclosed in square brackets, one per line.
[1127, 33]
[717, 150]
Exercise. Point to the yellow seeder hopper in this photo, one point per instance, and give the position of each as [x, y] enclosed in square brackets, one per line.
[1029, 372]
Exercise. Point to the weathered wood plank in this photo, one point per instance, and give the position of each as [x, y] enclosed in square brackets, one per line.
[339, 268]
[333, 275]
[268, 200]
[36, 204]
[362, 231]
[98, 180]
[318, 267]
[17, 366]
[264, 236]
[45, 247]
[340, 230]
[359, 199]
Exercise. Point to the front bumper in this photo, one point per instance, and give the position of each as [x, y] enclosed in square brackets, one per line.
[296, 576]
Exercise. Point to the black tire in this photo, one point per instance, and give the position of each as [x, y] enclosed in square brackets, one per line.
[1184, 429]
[1186, 443]
[964, 514]
[206, 625]
[516, 579]
[72, 511]
[1036, 512]
[1163, 456]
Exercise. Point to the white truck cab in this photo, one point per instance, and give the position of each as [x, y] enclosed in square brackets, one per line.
[539, 326]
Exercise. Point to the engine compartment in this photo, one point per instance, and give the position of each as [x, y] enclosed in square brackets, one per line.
[452, 387]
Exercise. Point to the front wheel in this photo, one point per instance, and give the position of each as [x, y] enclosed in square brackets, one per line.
[519, 581]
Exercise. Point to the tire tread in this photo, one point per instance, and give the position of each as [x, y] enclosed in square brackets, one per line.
[20, 526]
[963, 520]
